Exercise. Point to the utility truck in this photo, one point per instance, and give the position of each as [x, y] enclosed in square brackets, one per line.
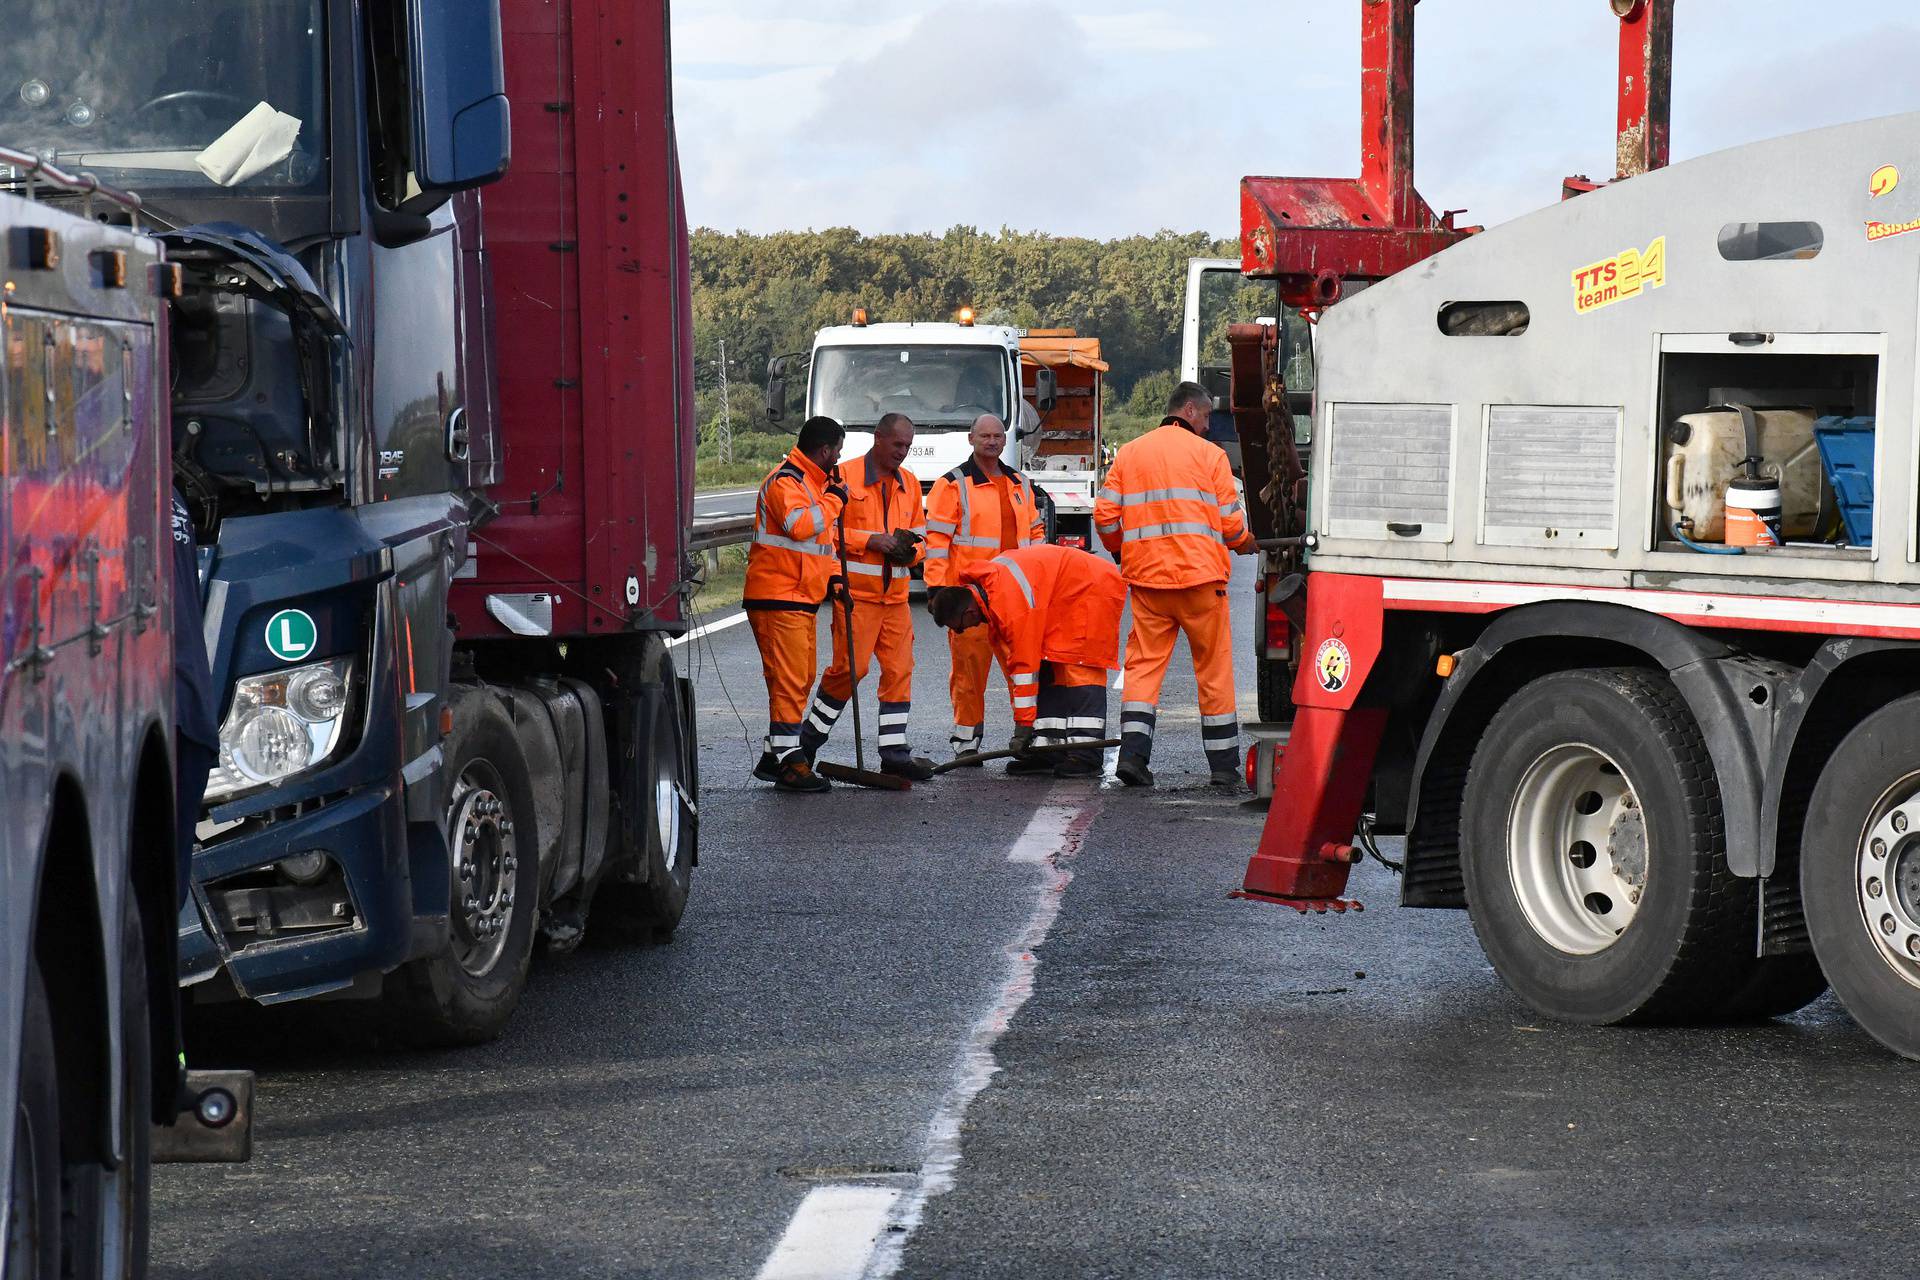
[944, 375]
[438, 451]
[1673, 774]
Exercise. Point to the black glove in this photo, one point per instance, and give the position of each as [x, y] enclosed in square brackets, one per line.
[1022, 739]
[837, 590]
[902, 553]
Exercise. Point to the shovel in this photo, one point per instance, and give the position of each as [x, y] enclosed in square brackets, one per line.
[859, 775]
[1045, 749]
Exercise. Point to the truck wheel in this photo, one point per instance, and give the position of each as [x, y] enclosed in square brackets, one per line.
[466, 994]
[1860, 874]
[106, 1209]
[33, 1188]
[1593, 854]
[650, 909]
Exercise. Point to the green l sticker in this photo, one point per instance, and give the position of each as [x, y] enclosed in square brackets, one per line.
[291, 635]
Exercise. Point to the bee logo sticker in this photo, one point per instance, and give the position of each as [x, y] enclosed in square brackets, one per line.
[1884, 180]
[1333, 665]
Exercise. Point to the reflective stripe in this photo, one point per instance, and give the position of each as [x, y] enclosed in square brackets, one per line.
[1025, 702]
[1168, 495]
[1147, 707]
[1180, 529]
[894, 739]
[1050, 722]
[1109, 528]
[920, 529]
[1020, 677]
[1111, 495]
[1225, 717]
[821, 727]
[1086, 722]
[936, 553]
[1019, 577]
[871, 570]
[788, 544]
[974, 540]
[1231, 508]
[783, 740]
[941, 526]
[894, 717]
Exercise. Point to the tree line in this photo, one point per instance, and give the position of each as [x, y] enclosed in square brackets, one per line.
[765, 295]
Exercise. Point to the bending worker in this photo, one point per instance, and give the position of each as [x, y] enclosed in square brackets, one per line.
[886, 528]
[1052, 616]
[1169, 512]
[976, 511]
[789, 566]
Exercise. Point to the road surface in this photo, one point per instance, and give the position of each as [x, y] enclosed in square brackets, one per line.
[1016, 1028]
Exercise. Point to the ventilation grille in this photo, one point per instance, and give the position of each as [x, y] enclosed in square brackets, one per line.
[1551, 476]
[1392, 465]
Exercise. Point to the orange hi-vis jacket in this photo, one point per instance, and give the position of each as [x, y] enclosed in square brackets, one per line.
[1047, 603]
[793, 555]
[973, 517]
[1169, 510]
[880, 506]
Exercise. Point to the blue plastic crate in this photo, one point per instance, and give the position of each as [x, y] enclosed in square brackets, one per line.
[1846, 451]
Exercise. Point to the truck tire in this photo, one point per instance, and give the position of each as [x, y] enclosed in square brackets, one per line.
[647, 900]
[1273, 689]
[107, 1209]
[33, 1185]
[1594, 857]
[466, 994]
[1777, 986]
[1860, 874]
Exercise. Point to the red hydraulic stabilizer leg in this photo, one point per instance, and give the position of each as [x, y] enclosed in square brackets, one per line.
[1307, 846]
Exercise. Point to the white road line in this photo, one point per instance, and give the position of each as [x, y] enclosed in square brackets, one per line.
[834, 1219]
[832, 1234]
[731, 620]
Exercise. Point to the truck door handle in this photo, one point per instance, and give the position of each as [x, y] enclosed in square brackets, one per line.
[1403, 530]
[459, 448]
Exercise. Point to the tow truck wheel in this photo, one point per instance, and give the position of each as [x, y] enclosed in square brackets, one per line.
[1593, 855]
[107, 1208]
[33, 1189]
[466, 994]
[1860, 874]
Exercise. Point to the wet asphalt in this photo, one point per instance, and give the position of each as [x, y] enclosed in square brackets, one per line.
[1195, 1087]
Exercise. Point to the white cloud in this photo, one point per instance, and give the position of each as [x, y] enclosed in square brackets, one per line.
[1067, 116]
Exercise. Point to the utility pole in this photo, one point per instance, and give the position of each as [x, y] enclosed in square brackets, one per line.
[726, 412]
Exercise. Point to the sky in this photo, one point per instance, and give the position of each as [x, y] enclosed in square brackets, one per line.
[1110, 117]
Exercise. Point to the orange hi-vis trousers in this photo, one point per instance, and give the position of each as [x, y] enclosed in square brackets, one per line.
[1159, 615]
[787, 656]
[880, 630]
[971, 652]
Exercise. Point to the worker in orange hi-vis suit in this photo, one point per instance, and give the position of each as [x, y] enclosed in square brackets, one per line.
[1052, 615]
[790, 565]
[976, 511]
[886, 528]
[1169, 512]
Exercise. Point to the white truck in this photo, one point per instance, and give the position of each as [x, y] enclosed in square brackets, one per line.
[943, 375]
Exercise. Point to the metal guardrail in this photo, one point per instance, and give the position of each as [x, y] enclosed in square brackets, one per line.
[719, 531]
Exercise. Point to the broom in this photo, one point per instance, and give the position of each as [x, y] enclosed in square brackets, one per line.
[859, 775]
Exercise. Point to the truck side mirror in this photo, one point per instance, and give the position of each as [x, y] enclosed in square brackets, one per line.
[1046, 389]
[457, 73]
[776, 398]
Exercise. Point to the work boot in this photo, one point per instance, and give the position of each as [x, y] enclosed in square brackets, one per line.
[768, 768]
[1227, 780]
[797, 775]
[1077, 766]
[1133, 770]
[1028, 766]
[917, 768]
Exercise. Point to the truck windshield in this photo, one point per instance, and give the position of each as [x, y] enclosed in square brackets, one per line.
[169, 93]
[935, 386]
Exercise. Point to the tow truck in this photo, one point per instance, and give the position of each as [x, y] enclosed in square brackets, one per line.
[1672, 774]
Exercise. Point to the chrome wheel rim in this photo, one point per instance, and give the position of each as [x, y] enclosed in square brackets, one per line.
[1887, 877]
[485, 863]
[666, 806]
[1577, 849]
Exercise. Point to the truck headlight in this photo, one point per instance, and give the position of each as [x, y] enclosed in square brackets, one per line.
[281, 724]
